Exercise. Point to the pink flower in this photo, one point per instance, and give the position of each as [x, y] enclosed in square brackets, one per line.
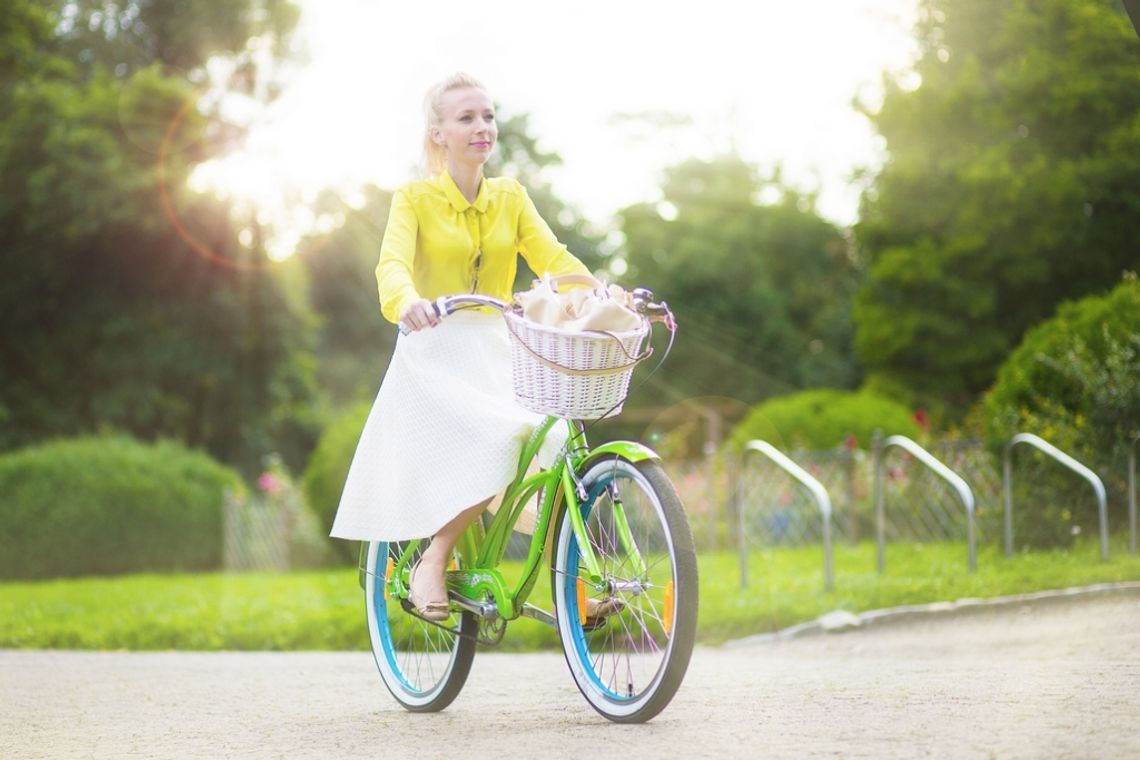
[268, 483]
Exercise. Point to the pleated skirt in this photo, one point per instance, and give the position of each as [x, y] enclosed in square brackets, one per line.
[443, 435]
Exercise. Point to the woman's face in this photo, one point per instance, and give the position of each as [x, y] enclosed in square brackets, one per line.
[467, 128]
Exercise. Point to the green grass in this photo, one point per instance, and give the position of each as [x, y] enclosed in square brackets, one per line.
[324, 610]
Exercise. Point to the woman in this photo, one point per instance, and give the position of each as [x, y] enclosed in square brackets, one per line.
[445, 435]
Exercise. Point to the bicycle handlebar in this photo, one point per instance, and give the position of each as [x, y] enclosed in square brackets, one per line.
[642, 302]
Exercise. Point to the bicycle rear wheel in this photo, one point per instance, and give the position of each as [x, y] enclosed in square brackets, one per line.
[423, 665]
[630, 662]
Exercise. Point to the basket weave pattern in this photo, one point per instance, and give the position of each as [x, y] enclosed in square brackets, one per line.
[553, 390]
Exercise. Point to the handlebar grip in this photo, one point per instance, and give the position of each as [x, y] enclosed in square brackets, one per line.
[439, 306]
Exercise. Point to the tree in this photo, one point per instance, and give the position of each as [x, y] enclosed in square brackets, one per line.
[761, 291]
[114, 315]
[123, 36]
[1013, 184]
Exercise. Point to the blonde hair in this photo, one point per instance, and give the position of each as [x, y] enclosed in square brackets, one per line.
[435, 156]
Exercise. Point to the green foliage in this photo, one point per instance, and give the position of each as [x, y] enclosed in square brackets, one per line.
[761, 291]
[128, 302]
[328, 467]
[106, 506]
[1013, 184]
[1075, 381]
[823, 419]
[1077, 375]
[321, 610]
[126, 36]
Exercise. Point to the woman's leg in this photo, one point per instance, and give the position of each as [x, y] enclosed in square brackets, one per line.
[428, 585]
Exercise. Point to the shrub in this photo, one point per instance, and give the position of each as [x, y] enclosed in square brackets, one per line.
[1074, 381]
[823, 418]
[328, 467]
[110, 505]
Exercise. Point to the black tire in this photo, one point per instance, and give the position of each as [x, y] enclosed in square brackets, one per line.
[629, 664]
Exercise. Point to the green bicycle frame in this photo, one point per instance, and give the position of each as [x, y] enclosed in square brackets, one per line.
[561, 488]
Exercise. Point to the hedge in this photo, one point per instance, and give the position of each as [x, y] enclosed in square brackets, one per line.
[1075, 381]
[823, 419]
[110, 505]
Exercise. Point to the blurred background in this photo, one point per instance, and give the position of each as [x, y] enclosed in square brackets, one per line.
[917, 217]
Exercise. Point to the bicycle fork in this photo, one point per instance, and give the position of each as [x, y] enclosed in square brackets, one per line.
[576, 495]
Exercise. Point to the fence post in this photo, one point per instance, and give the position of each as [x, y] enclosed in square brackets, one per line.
[849, 490]
[877, 482]
[1007, 498]
[738, 498]
[1132, 494]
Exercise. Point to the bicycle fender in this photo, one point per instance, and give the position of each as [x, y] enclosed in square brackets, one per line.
[631, 450]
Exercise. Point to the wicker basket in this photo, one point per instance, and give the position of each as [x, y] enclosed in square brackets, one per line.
[577, 375]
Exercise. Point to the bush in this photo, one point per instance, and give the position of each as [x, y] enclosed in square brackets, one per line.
[110, 505]
[1074, 381]
[822, 419]
[328, 467]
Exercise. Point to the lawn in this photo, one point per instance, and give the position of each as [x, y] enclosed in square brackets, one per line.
[324, 609]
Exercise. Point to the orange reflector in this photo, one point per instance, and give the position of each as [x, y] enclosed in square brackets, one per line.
[669, 607]
[387, 578]
[581, 601]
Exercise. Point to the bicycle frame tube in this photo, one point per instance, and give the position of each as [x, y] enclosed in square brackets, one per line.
[482, 577]
[517, 495]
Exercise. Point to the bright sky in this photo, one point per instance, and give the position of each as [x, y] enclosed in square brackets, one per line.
[773, 79]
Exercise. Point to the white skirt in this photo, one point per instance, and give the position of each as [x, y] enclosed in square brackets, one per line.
[444, 433]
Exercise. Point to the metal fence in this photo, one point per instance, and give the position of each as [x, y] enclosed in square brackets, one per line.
[271, 531]
[921, 506]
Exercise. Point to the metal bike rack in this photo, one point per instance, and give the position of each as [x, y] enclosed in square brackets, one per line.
[1052, 451]
[938, 468]
[1132, 495]
[818, 492]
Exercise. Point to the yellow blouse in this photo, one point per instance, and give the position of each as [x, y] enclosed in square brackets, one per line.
[437, 243]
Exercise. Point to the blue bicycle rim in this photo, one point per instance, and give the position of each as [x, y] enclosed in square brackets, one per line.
[581, 647]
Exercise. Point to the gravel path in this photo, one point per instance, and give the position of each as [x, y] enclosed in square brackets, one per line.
[1052, 680]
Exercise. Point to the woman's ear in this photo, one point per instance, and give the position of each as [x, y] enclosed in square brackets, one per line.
[436, 135]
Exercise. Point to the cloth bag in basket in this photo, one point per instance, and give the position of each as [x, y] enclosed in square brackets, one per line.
[597, 307]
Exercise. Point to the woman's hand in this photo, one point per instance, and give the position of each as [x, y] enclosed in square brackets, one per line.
[419, 315]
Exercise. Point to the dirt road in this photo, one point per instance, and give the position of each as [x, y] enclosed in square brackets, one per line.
[1044, 681]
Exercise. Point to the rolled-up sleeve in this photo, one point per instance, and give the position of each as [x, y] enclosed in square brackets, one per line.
[397, 255]
[538, 245]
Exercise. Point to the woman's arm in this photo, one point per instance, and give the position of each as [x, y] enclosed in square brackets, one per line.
[541, 249]
[397, 255]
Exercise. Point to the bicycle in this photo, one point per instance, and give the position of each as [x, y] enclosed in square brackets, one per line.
[622, 568]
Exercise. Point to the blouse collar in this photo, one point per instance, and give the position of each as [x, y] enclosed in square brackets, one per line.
[455, 195]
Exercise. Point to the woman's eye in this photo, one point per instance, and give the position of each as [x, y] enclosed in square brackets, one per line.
[465, 118]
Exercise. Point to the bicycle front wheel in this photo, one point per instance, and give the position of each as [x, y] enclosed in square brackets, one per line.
[628, 637]
[424, 665]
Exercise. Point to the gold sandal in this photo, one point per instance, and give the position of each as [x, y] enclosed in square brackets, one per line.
[598, 610]
[434, 610]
